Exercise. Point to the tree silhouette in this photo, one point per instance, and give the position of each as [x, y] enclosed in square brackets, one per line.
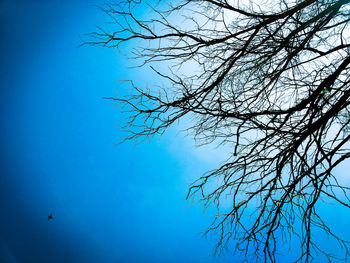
[269, 79]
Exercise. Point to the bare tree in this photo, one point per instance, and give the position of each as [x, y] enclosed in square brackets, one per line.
[271, 80]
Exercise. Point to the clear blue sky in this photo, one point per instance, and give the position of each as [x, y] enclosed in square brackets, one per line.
[111, 203]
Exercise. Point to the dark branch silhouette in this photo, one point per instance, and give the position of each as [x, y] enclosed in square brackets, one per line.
[269, 79]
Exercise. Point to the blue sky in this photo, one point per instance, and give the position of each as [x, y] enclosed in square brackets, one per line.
[111, 203]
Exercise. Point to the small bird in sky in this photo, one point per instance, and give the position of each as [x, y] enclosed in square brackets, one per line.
[50, 216]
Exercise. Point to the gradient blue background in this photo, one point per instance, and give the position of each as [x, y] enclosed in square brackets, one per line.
[111, 203]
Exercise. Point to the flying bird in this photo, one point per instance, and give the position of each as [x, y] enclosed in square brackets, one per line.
[49, 217]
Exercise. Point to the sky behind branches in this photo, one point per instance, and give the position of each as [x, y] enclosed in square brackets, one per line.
[110, 203]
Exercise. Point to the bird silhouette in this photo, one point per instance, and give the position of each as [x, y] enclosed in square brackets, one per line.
[50, 216]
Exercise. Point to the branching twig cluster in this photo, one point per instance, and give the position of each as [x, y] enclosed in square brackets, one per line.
[272, 80]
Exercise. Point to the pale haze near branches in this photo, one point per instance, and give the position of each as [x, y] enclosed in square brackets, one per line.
[269, 80]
